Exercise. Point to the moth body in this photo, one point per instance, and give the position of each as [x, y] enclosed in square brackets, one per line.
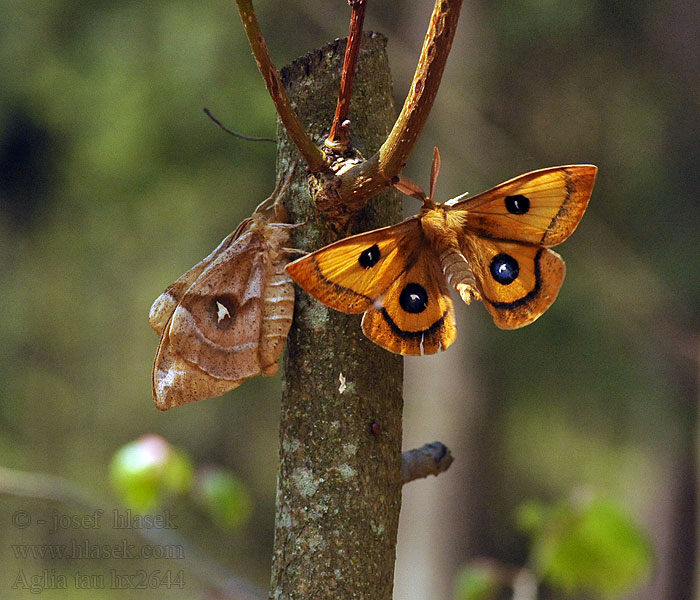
[442, 229]
[459, 274]
[278, 311]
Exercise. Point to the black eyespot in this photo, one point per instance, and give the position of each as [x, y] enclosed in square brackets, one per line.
[517, 205]
[370, 257]
[504, 269]
[413, 298]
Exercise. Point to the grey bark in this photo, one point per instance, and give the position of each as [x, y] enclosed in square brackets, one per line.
[339, 479]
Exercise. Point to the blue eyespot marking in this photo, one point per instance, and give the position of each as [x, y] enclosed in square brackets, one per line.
[413, 298]
[504, 268]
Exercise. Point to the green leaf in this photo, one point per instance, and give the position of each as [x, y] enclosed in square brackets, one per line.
[479, 580]
[587, 545]
[225, 497]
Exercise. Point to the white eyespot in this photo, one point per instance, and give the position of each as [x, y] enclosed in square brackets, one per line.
[222, 312]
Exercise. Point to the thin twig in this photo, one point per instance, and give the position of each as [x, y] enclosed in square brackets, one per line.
[248, 138]
[52, 487]
[311, 153]
[339, 139]
[364, 181]
[429, 459]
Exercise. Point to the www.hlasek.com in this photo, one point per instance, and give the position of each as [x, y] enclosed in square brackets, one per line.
[84, 549]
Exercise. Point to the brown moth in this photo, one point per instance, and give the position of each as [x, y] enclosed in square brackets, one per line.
[228, 317]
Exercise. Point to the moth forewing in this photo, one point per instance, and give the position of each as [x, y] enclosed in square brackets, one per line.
[542, 207]
[165, 304]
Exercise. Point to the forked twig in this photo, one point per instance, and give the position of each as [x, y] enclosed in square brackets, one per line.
[367, 179]
[358, 184]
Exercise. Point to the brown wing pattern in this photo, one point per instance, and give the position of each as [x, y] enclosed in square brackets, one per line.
[229, 323]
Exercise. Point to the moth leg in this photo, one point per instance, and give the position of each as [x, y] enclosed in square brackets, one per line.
[274, 200]
[293, 251]
[459, 274]
[293, 225]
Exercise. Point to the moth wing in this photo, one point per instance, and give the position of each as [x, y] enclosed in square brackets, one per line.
[177, 382]
[518, 282]
[415, 315]
[542, 207]
[164, 305]
[351, 273]
[217, 324]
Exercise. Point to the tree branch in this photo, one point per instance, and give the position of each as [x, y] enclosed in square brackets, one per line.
[363, 181]
[309, 151]
[429, 459]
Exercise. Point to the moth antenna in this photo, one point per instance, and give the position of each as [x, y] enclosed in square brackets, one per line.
[248, 138]
[410, 188]
[434, 172]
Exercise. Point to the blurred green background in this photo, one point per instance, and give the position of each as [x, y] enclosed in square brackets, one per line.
[113, 183]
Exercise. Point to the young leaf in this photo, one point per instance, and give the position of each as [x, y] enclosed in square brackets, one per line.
[587, 546]
[478, 580]
[224, 497]
[147, 471]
